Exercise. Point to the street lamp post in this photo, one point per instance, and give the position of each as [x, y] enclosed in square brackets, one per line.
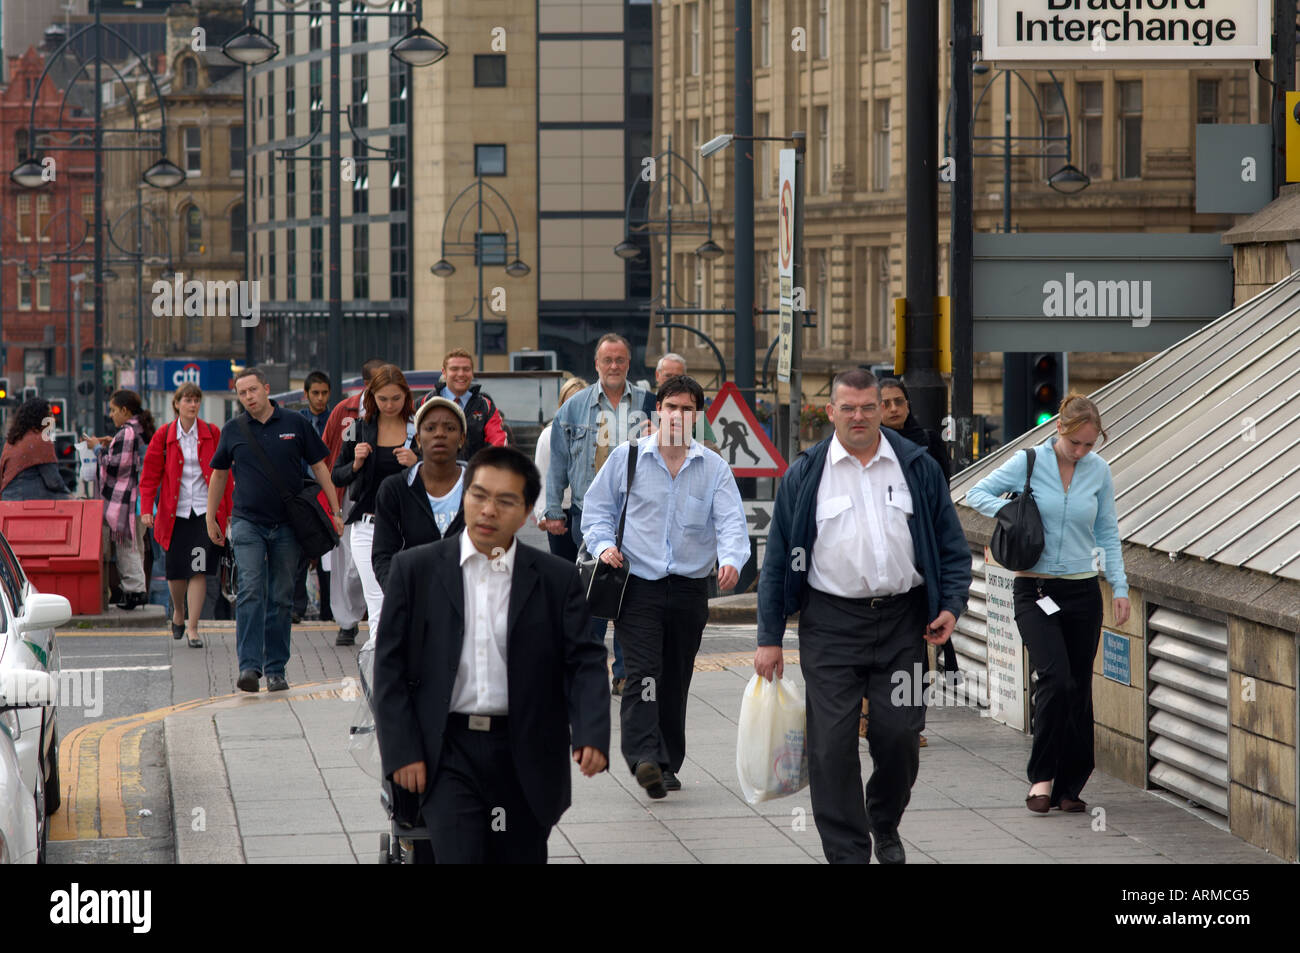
[459, 248]
[163, 174]
[251, 47]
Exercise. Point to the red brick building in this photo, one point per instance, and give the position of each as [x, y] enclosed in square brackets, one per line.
[38, 227]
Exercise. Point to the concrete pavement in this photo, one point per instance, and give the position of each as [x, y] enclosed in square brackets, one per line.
[268, 778]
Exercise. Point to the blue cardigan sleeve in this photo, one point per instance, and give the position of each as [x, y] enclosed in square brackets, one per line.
[1105, 530]
[985, 496]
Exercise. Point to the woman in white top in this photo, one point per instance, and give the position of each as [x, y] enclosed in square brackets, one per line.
[561, 544]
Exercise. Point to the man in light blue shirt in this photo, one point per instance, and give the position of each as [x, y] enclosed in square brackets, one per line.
[683, 513]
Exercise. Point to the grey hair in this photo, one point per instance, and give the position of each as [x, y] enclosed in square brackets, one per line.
[659, 366]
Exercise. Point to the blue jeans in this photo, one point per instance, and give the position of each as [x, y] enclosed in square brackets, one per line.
[266, 557]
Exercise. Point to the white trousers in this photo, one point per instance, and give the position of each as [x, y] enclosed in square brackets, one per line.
[347, 597]
[363, 536]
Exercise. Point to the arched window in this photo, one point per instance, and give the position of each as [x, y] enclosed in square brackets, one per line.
[193, 230]
[189, 73]
[238, 229]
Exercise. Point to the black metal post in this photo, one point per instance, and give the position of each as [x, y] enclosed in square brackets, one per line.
[478, 260]
[960, 275]
[1284, 51]
[743, 254]
[98, 419]
[797, 278]
[141, 384]
[668, 242]
[336, 225]
[929, 397]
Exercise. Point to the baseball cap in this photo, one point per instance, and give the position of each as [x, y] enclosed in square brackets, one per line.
[432, 402]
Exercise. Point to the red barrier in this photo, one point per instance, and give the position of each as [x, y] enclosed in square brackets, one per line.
[58, 543]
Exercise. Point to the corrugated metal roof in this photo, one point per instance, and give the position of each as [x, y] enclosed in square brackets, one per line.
[1204, 441]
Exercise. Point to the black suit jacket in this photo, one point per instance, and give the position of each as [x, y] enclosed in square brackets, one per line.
[558, 683]
[403, 520]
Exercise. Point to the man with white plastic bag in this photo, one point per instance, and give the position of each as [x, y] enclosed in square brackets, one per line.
[866, 546]
[771, 744]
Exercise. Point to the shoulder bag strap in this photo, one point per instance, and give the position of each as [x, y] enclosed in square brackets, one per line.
[285, 495]
[1029, 468]
[633, 451]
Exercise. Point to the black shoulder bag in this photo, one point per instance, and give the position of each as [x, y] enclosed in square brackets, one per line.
[1018, 536]
[312, 527]
[602, 584]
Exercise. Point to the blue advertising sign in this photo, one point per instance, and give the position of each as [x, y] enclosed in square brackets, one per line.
[170, 374]
[1116, 662]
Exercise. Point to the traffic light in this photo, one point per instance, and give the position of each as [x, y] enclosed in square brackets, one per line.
[59, 411]
[5, 399]
[29, 393]
[1046, 387]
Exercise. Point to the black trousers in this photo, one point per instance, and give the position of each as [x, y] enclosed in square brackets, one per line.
[300, 589]
[477, 812]
[1062, 647]
[564, 546]
[659, 629]
[848, 651]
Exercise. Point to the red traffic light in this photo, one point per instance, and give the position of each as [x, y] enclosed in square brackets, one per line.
[56, 410]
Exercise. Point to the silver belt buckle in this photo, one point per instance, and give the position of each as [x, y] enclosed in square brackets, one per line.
[480, 723]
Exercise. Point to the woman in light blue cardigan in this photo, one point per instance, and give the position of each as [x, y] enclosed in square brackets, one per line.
[1058, 601]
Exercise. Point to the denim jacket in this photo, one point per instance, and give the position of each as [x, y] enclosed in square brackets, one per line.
[577, 426]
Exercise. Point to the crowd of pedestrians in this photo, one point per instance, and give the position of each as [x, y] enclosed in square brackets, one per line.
[490, 671]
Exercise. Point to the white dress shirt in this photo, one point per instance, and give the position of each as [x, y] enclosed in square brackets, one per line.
[193, 496]
[481, 684]
[864, 547]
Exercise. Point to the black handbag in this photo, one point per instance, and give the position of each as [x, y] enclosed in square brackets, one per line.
[311, 525]
[602, 584]
[1018, 536]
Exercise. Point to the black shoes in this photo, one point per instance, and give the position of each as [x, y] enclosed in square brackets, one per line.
[132, 600]
[248, 680]
[297, 617]
[178, 631]
[650, 777]
[889, 847]
[671, 781]
[347, 636]
[277, 683]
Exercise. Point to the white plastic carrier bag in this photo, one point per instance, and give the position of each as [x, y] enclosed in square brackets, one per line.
[771, 743]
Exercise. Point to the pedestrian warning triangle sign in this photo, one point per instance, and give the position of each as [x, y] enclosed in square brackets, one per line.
[741, 441]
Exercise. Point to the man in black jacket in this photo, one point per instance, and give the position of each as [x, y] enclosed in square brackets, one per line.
[865, 545]
[483, 423]
[487, 675]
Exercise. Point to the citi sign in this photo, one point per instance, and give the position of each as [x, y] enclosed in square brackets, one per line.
[1083, 298]
[187, 374]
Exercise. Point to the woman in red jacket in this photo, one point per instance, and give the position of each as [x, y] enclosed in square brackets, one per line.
[178, 460]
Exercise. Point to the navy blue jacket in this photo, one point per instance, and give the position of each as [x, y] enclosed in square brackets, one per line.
[942, 554]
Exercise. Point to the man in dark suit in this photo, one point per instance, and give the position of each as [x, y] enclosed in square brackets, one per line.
[487, 675]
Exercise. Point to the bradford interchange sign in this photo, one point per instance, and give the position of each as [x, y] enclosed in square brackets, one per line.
[1112, 31]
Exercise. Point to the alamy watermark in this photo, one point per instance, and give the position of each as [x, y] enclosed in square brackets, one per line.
[208, 298]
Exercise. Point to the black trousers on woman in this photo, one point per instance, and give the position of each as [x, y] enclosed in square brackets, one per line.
[1062, 647]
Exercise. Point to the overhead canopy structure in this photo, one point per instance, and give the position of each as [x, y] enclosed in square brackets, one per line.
[1204, 441]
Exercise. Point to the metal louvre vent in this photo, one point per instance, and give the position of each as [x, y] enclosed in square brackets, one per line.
[970, 636]
[1187, 688]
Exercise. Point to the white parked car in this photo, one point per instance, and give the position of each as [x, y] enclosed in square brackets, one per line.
[28, 619]
[23, 832]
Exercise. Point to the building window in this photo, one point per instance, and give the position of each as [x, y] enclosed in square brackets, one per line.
[42, 217]
[237, 151]
[764, 33]
[238, 229]
[823, 29]
[491, 248]
[314, 87]
[291, 189]
[270, 104]
[23, 225]
[193, 231]
[883, 147]
[762, 174]
[693, 15]
[823, 299]
[396, 93]
[397, 184]
[1090, 119]
[489, 69]
[88, 211]
[884, 300]
[315, 182]
[1207, 100]
[1053, 105]
[191, 146]
[360, 115]
[360, 262]
[1130, 129]
[361, 189]
[43, 292]
[25, 292]
[397, 259]
[490, 160]
[823, 122]
[290, 108]
[291, 264]
[359, 32]
[270, 264]
[882, 25]
[316, 263]
[313, 27]
[189, 73]
[20, 146]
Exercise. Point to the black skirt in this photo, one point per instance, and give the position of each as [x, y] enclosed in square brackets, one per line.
[191, 553]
